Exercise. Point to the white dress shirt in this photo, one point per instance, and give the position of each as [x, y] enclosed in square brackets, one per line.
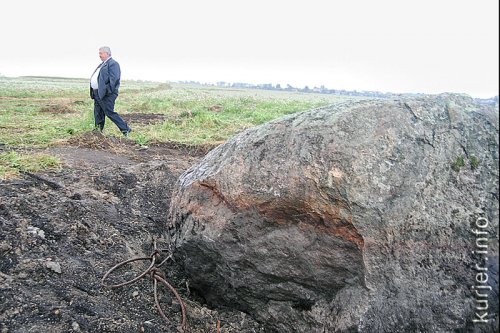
[93, 80]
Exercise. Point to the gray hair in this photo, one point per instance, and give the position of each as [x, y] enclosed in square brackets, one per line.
[105, 49]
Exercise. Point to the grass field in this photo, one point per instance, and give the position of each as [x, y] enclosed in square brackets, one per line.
[37, 112]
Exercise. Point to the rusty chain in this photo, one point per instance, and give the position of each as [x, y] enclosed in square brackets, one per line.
[156, 274]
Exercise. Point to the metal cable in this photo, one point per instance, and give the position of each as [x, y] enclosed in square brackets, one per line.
[156, 274]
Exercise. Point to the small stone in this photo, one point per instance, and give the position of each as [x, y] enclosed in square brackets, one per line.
[135, 294]
[32, 230]
[75, 326]
[41, 234]
[35, 231]
[54, 266]
[4, 247]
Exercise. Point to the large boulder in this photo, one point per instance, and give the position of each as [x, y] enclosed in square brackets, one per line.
[369, 216]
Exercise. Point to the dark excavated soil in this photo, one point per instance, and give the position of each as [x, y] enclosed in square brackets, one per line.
[62, 230]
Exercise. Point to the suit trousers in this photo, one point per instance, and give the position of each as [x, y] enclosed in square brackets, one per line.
[106, 107]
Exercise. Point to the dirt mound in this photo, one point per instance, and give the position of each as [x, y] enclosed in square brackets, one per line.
[57, 242]
[192, 150]
[144, 118]
[57, 109]
[94, 142]
[216, 108]
[98, 141]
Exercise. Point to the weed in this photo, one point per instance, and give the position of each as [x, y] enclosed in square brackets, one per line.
[141, 139]
[474, 162]
[458, 164]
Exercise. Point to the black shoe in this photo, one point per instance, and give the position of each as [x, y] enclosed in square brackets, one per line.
[127, 132]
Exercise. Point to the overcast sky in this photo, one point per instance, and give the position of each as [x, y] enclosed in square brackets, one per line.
[428, 46]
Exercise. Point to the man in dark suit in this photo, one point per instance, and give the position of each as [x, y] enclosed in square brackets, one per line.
[104, 85]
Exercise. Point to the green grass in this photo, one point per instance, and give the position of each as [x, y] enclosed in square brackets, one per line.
[458, 164]
[201, 115]
[12, 163]
[37, 112]
[474, 162]
[212, 119]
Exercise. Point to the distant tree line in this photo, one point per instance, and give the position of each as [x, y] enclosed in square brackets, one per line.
[306, 89]
[323, 90]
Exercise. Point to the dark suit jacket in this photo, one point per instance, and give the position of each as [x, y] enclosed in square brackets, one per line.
[109, 79]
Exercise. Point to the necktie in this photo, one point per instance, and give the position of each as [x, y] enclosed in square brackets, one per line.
[102, 63]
